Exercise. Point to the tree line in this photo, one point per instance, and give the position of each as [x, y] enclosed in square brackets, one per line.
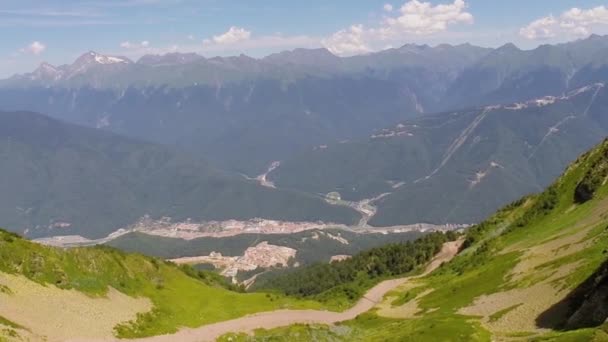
[351, 277]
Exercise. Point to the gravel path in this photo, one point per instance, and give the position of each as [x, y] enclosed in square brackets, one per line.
[280, 318]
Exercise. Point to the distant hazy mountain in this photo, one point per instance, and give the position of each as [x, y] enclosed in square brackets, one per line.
[509, 74]
[457, 166]
[169, 59]
[315, 112]
[61, 179]
[239, 111]
[243, 113]
[190, 69]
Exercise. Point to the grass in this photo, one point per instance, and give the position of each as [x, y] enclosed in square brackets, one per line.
[8, 330]
[295, 333]
[370, 327]
[5, 289]
[10, 324]
[454, 290]
[404, 297]
[181, 298]
[7, 335]
[583, 335]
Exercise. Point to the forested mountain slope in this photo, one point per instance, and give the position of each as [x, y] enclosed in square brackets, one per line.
[61, 179]
[456, 166]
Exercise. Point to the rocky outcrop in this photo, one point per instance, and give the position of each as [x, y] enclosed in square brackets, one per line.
[585, 307]
[589, 303]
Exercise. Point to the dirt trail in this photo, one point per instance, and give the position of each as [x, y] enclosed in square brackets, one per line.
[279, 318]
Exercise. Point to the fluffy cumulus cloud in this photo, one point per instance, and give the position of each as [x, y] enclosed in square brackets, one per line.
[141, 45]
[423, 18]
[351, 41]
[540, 29]
[413, 18]
[388, 7]
[34, 48]
[232, 36]
[574, 22]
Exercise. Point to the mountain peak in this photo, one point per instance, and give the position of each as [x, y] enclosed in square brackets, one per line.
[301, 56]
[595, 36]
[172, 58]
[47, 66]
[411, 47]
[94, 57]
[508, 47]
[46, 72]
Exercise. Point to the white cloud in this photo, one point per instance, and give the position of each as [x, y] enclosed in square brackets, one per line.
[414, 18]
[572, 23]
[35, 48]
[140, 45]
[423, 18]
[351, 41]
[542, 28]
[232, 36]
[388, 7]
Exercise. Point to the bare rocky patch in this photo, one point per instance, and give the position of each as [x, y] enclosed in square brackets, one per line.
[58, 314]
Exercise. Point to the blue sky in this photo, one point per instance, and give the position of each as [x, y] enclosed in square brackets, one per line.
[58, 31]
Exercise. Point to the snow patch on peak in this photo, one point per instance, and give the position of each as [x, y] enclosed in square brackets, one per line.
[109, 59]
[47, 66]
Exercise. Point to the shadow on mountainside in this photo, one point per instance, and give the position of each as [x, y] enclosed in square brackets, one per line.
[585, 307]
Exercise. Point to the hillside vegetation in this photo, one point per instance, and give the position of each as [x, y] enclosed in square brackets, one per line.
[177, 296]
[533, 271]
[342, 283]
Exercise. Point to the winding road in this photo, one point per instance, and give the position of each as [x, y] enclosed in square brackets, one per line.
[280, 318]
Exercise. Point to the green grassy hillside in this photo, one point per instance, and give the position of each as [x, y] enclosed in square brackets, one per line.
[533, 271]
[179, 296]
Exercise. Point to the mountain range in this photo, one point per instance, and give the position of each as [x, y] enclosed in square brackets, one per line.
[299, 98]
[428, 134]
[234, 110]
